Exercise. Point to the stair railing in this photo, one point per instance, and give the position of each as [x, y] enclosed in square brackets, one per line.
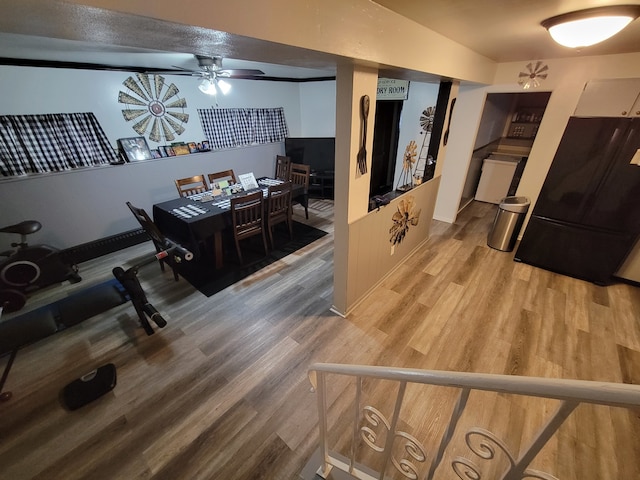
[570, 393]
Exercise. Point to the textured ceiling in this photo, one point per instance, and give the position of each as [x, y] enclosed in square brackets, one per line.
[502, 30]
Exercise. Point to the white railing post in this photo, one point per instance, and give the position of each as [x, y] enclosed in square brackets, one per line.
[564, 410]
[446, 438]
[356, 423]
[388, 446]
[321, 391]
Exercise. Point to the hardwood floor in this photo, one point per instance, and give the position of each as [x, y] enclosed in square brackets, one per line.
[222, 391]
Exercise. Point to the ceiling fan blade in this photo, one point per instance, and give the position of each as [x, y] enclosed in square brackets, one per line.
[240, 71]
[173, 72]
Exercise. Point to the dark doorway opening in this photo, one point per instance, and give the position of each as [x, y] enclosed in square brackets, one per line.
[385, 146]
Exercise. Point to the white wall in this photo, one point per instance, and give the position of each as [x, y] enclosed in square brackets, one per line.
[317, 109]
[59, 90]
[83, 205]
[492, 123]
[87, 204]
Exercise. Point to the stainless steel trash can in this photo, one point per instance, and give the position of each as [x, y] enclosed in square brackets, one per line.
[507, 224]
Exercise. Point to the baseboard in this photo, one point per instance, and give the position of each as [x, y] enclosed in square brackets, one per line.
[104, 246]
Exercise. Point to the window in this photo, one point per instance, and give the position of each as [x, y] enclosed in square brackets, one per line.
[51, 143]
[237, 127]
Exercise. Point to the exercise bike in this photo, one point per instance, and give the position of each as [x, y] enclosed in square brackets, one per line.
[98, 382]
[30, 267]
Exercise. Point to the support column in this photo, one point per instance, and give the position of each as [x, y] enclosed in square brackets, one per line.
[351, 187]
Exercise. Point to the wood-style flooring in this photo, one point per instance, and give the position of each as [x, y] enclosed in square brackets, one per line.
[222, 391]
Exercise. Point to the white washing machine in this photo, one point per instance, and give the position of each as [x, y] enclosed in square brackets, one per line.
[495, 179]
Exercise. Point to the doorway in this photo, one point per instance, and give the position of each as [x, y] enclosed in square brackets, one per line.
[506, 132]
[386, 133]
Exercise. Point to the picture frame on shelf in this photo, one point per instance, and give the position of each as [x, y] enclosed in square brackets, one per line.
[181, 149]
[155, 153]
[163, 151]
[193, 148]
[205, 146]
[170, 151]
[134, 149]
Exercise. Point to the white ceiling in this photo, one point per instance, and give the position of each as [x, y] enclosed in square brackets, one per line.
[510, 30]
[502, 30]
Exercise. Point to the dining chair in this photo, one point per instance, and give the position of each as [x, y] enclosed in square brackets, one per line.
[191, 185]
[300, 174]
[283, 167]
[247, 214]
[279, 208]
[158, 239]
[224, 175]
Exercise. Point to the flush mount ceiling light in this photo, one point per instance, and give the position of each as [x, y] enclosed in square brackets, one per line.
[588, 27]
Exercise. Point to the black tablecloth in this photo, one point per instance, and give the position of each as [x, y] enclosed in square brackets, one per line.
[190, 232]
[200, 228]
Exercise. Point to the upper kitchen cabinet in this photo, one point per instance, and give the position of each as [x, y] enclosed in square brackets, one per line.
[618, 97]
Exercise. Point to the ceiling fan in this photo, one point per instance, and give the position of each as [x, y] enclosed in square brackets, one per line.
[212, 74]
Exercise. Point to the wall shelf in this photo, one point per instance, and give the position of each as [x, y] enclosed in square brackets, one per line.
[525, 122]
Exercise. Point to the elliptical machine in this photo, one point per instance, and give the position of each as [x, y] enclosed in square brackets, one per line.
[30, 267]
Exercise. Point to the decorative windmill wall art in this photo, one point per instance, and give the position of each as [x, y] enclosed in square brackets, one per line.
[424, 161]
[406, 216]
[155, 107]
[405, 182]
[533, 75]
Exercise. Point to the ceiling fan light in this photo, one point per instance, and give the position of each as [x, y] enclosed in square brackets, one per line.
[224, 87]
[208, 87]
[588, 27]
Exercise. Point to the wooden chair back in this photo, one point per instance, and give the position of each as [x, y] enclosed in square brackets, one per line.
[158, 239]
[191, 185]
[283, 167]
[220, 176]
[300, 175]
[279, 207]
[247, 214]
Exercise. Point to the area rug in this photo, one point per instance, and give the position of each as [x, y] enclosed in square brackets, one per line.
[209, 281]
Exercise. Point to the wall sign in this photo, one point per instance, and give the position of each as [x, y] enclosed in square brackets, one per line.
[391, 89]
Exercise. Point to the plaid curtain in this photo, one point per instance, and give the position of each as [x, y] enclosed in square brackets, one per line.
[237, 127]
[51, 143]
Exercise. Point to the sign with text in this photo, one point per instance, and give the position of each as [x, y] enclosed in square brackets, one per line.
[390, 89]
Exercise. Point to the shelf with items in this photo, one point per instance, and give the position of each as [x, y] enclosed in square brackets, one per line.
[525, 122]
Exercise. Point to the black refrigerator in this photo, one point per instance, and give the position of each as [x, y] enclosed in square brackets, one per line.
[587, 216]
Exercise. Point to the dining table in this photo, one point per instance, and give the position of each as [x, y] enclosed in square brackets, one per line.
[195, 220]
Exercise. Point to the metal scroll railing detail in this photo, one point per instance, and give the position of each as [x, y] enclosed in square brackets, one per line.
[393, 447]
[411, 447]
[369, 433]
[414, 449]
[485, 447]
